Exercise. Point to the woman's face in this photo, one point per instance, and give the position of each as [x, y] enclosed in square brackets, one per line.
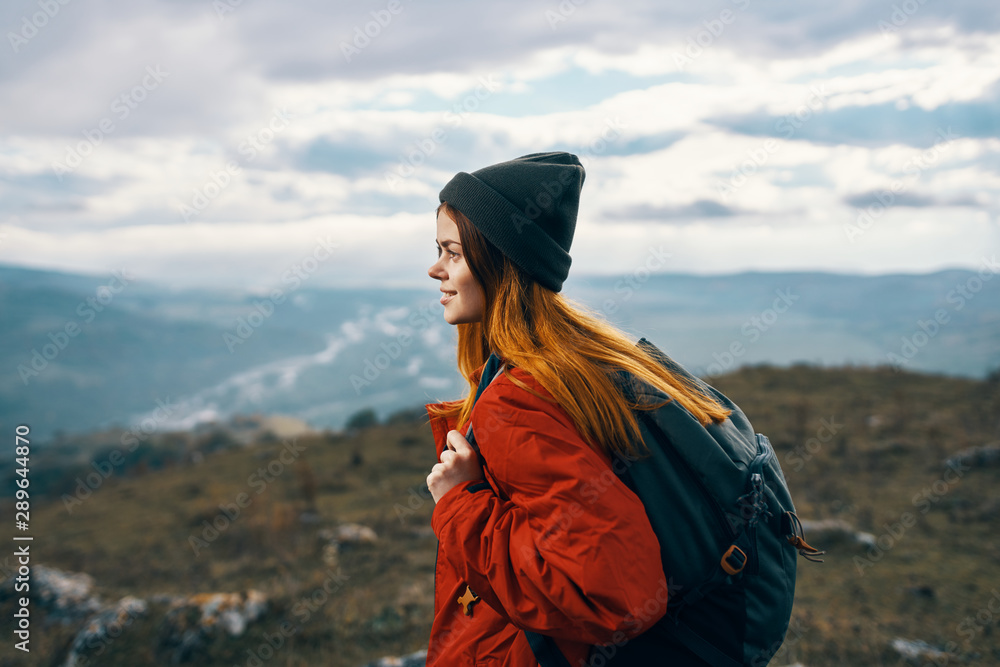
[462, 297]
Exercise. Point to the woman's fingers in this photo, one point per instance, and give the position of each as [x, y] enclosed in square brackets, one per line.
[457, 443]
[458, 463]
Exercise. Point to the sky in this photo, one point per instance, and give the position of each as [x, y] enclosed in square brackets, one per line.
[222, 143]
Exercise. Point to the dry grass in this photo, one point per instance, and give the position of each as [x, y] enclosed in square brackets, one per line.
[890, 434]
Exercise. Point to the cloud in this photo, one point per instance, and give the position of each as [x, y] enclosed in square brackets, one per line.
[874, 126]
[733, 128]
[911, 199]
[703, 208]
[346, 158]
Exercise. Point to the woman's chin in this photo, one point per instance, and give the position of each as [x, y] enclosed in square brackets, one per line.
[459, 318]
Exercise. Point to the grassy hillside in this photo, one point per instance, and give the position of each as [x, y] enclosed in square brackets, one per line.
[863, 445]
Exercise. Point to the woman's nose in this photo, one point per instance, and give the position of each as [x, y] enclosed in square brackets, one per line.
[435, 270]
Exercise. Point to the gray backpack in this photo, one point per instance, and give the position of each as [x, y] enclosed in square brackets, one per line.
[728, 533]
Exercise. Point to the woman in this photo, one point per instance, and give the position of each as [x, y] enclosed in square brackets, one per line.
[544, 537]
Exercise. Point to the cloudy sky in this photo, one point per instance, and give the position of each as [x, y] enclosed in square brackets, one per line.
[218, 143]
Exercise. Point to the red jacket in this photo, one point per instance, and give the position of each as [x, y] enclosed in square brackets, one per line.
[554, 543]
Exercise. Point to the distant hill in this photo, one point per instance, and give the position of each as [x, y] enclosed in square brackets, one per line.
[78, 356]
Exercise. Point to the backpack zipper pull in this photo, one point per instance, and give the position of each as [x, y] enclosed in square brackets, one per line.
[797, 539]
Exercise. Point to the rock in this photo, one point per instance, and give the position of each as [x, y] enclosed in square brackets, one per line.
[103, 628]
[356, 533]
[247, 429]
[310, 517]
[418, 659]
[67, 597]
[230, 611]
[422, 532]
[817, 531]
[975, 457]
[332, 540]
[915, 649]
[925, 592]
[348, 533]
[190, 621]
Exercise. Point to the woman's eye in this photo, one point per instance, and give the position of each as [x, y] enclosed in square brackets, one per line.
[451, 253]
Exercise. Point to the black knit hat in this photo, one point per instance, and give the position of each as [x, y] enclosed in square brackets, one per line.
[527, 208]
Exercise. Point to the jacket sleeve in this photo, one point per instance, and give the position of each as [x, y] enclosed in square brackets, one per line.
[566, 549]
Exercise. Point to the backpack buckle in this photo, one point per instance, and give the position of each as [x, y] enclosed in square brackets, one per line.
[734, 560]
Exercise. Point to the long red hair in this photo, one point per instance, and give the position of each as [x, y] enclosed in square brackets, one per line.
[566, 347]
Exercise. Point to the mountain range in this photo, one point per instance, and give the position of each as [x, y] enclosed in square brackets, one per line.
[88, 352]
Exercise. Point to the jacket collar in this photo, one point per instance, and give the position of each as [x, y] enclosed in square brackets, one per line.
[441, 425]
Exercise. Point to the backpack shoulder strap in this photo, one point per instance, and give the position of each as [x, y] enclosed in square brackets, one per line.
[491, 370]
[546, 652]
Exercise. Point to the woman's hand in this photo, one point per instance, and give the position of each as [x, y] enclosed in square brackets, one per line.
[459, 464]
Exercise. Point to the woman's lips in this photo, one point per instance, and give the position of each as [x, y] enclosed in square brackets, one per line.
[446, 297]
